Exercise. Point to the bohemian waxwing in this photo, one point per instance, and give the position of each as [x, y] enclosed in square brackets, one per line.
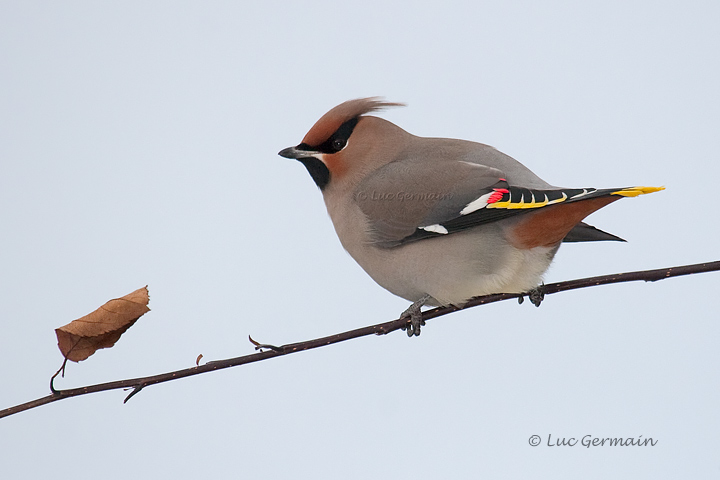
[437, 221]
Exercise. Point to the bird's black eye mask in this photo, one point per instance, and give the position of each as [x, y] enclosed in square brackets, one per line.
[337, 140]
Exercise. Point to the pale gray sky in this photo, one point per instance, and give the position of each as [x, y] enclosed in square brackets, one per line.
[138, 145]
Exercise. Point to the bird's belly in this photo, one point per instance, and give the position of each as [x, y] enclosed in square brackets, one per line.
[455, 268]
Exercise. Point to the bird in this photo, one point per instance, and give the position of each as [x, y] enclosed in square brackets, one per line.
[437, 221]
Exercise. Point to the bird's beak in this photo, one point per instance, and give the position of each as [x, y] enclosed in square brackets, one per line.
[295, 152]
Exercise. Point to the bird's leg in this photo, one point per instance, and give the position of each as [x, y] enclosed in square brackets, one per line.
[415, 315]
[537, 295]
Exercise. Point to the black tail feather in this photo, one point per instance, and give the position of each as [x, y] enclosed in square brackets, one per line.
[582, 232]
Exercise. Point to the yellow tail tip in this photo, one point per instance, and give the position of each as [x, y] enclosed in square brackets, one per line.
[635, 191]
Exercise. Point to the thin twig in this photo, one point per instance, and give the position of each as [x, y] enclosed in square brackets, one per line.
[138, 384]
[135, 390]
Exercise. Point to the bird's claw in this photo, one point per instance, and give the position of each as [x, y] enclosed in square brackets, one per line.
[413, 326]
[415, 320]
[537, 295]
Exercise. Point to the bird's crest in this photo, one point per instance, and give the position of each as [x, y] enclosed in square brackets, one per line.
[332, 120]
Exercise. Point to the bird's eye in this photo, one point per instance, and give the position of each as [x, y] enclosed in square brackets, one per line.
[338, 144]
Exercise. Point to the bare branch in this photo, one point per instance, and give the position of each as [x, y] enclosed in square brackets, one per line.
[137, 384]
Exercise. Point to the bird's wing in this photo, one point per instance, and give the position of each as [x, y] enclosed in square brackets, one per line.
[404, 203]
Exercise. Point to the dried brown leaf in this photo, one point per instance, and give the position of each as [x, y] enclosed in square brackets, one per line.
[102, 328]
[197, 360]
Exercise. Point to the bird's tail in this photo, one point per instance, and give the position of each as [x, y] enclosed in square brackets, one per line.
[582, 232]
[635, 191]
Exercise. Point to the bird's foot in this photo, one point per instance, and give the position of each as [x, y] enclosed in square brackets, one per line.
[537, 295]
[415, 316]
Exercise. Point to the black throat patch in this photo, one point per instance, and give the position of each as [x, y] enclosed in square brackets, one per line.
[317, 170]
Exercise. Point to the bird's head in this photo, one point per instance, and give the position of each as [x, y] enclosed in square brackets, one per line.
[346, 143]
